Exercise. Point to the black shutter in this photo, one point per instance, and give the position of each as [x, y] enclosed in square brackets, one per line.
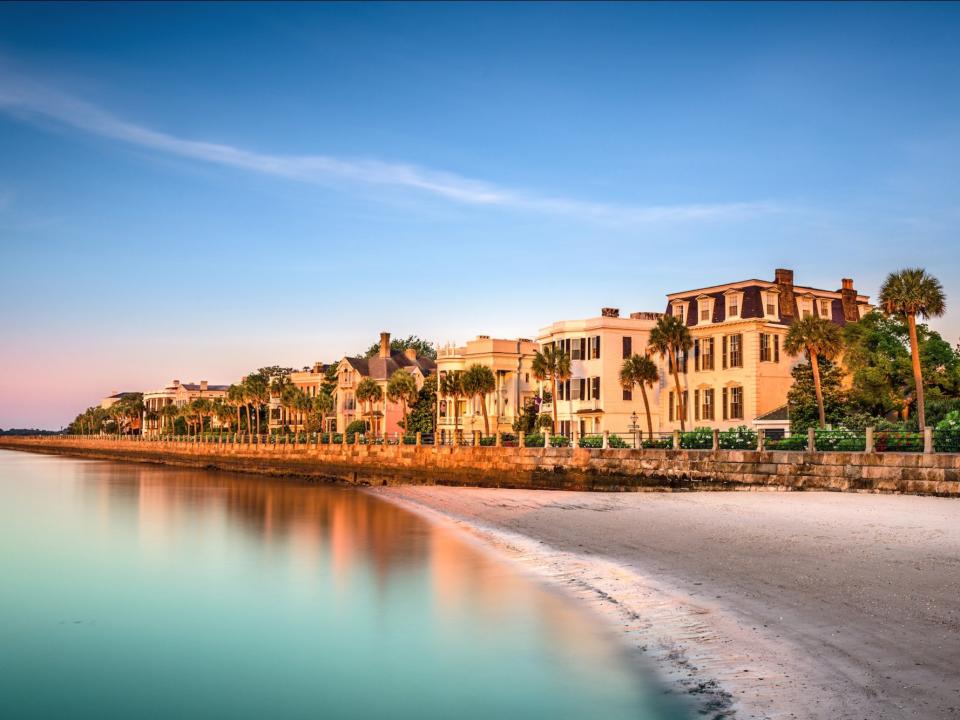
[724, 353]
[776, 348]
[627, 347]
[696, 404]
[725, 401]
[596, 387]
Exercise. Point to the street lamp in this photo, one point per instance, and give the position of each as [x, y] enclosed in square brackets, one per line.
[634, 427]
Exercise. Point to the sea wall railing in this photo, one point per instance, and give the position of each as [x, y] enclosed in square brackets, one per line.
[870, 440]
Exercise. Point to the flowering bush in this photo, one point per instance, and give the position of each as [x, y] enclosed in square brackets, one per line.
[700, 438]
[738, 438]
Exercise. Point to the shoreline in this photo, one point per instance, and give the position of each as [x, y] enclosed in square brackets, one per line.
[734, 655]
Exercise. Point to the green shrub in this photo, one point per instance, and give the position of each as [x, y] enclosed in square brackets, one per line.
[738, 438]
[544, 422]
[794, 442]
[698, 439]
[591, 441]
[839, 441]
[946, 435]
[900, 441]
[488, 441]
[535, 440]
[559, 441]
[409, 440]
[662, 443]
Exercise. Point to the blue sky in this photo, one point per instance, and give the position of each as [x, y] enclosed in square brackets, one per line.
[193, 191]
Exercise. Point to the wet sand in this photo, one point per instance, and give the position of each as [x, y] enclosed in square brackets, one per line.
[756, 605]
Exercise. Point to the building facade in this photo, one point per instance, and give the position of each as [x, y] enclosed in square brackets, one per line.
[737, 370]
[178, 394]
[593, 400]
[310, 382]
[510, 362]
[383, 417]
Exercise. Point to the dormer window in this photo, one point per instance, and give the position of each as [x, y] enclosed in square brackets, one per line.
[704, 309]
[825, 309]
[771, 304]
[734, 300]
[806, 307]
[680, 311]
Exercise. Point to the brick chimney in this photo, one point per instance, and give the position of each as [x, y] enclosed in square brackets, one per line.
[203, 386]
[610, 312]
[788, 301]
[176, 383]
[384, 344]
[411, 353]
[848, 300]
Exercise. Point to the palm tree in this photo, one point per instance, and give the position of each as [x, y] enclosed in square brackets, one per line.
[640, 370]
[369, 392]
[169, 413]
[909, 293]
[402, 388]
[322, 406]
[236, 397]
[280, 387]
[258, 393]
[669, 338]
[479, 381]
[451, 385]
[552, 364]
[201, 408]
[818, 338]
[223, 411]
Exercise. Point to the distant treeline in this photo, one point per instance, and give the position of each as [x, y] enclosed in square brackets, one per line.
[28, 431]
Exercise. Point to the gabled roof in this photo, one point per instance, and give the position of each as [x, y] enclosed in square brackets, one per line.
[382, 368]
[779, 414]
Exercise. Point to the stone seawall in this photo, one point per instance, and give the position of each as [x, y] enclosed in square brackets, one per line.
[540, 468]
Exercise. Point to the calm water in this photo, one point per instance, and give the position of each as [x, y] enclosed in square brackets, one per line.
[130, 591]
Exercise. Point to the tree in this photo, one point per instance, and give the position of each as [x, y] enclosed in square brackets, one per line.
[670, 338]
[909, 293]
[478, 382]
[423, 412]
[640, 370]
[257, 387]
[223, 412]
[280, 388]
[369, 392]
[424, 348]
[402, 388]
[552, 364]
[451, 385]
[321, 405]
[802, 405]
[201, 408]
[236, 396]
[169, 414]
[818, 338]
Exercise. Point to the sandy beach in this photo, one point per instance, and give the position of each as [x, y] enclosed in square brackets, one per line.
[756, 605]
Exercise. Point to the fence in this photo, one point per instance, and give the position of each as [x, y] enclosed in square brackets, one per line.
[821, 441]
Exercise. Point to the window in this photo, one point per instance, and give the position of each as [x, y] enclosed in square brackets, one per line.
[736, 350]
[733, 308]
[575, 353]
[771, 307]
[707, 362]
[736, 403]
[825, 309]
[696, 404]
[678, 312]
[628, 393]
[627, 347]
[593, 347]
[596, 388]
[708, 404]
[766, 353]
[704, 313]
[684, 410]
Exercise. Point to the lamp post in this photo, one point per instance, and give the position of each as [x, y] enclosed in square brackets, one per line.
[634, 427]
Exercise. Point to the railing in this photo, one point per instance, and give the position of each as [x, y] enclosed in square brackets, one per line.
[699, 439]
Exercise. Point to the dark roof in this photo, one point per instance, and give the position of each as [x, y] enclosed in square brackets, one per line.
[777, 414]
[382, 368]
[195, 386]
[121, 395]
[752, 306]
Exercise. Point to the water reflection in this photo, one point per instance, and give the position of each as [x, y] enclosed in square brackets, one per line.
[233, 595]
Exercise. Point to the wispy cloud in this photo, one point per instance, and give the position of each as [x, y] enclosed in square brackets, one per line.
[28, 99]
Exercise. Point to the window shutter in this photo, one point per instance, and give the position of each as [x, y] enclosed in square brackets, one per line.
[685, 410]
[627, 347]
[696, 404]
[776, 348]
[725, 403]
[596, 387]
[582, 342]
[724, 352]
[696, 355]
[583, 387]
[671, 406]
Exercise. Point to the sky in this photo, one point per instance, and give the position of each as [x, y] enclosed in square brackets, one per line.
[195, 191]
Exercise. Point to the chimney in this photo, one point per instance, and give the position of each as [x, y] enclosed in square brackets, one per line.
[848, 301]
[411, 353]
[610, 312]
[788, 302]
[176, 383]
[203, 386]
[384, 344]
